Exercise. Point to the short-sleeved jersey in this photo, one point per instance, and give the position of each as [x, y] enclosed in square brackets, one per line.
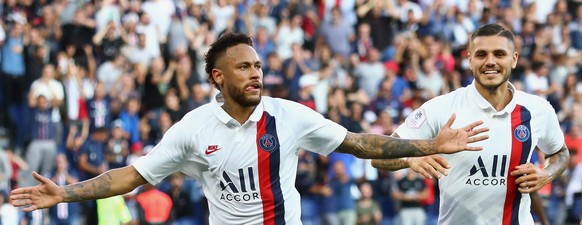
[247, 171]
[479, 189]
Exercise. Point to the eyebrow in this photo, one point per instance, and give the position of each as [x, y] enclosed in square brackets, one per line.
[258, 62]
[494, 51]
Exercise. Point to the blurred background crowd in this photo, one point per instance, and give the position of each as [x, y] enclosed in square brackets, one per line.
[90, 85]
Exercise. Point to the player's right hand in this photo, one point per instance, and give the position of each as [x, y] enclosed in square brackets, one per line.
[41, 196]
[429, 166]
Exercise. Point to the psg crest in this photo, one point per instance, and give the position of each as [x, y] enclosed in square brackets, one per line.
[268, 142]
[521, 133]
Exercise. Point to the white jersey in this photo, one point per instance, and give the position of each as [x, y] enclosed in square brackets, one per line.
[247, 171]
[479, 189]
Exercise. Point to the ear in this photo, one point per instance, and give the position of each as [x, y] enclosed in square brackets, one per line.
[515, 58]
[217, 76]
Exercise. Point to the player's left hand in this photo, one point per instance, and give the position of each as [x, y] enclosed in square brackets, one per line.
[530, 178]
[451, 140]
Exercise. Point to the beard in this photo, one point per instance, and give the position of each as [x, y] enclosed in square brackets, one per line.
[239, 96]
[493, 86]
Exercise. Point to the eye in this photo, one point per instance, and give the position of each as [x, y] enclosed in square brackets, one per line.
[244, 67]
[259, 66]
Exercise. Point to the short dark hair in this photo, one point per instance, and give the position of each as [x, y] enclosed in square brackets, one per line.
[493, 30]
[219, 47]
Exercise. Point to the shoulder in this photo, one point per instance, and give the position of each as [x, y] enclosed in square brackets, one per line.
[447, 100]
[533, 103]
[287, 108]
[197, 118]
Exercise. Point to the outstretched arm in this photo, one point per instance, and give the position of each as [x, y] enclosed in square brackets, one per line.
[47, 193]
[428, 167]
[391, 164]
[449, 140]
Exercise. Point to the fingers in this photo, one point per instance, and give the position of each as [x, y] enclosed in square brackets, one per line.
[451, 120]
[473, 148]
[477, 131]
[469, 128]
[442, 164]
[429, 167]
[40, 178]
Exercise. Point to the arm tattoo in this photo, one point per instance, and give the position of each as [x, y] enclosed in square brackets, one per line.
[95, 188]
[390, 164]
[557, 162]
[373, 146]
[111, 183]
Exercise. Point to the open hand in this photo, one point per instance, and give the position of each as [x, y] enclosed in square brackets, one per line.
[455, 140]
[41, 196]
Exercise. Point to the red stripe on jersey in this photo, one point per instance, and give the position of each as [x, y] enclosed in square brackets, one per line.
[265, 176]
[516, 148]
[510, 209]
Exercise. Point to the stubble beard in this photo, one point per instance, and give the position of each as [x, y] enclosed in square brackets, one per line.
[492, 87]
[239, 96]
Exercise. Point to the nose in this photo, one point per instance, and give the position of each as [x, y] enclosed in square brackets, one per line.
[490, 61]
[257, 72]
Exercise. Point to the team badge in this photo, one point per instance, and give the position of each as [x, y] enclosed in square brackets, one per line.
[521, 133]
[268, 142]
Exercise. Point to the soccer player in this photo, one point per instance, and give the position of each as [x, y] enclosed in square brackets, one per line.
[242, 147]
[490, 186]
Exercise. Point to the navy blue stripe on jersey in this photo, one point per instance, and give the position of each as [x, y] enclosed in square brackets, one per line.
[268, 153]
[275, 178]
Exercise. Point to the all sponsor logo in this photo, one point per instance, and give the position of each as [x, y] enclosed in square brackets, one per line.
[488, 172]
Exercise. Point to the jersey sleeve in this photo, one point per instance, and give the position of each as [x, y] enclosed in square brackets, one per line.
[553, 138]
[422, 123]
[314, 132]
[168, 155]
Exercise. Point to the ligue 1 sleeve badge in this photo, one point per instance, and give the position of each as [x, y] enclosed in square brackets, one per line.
[521, 133]
[268, 142]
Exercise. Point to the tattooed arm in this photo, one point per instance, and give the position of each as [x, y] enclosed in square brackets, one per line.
[391, 164]
[532, 178]
[449, 140]
[47, 193]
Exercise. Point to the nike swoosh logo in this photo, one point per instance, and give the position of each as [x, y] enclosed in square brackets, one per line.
[210, 151]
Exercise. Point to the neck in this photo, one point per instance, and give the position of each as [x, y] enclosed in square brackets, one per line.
[237, 112]
[498, 98]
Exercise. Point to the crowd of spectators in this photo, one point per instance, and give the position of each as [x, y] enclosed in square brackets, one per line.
[89, 85]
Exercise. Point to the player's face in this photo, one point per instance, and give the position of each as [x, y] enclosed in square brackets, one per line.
[241, 76]
[491, 59]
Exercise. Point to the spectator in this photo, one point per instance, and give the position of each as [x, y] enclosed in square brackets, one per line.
[66, 213]
[12, 68]
[110, 71]
[368, 211]
[370, 73]
[337, 33]
[182, 213]
[130, 118]
[154, 206]
[117, 148]
[42, 150]
[98, 108]
[109, 41]
[410, 191]
[92, 163]
[341, 184]
[113, 211]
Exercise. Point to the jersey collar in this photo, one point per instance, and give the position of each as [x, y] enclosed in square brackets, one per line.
[485, 105]
[217, 102]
